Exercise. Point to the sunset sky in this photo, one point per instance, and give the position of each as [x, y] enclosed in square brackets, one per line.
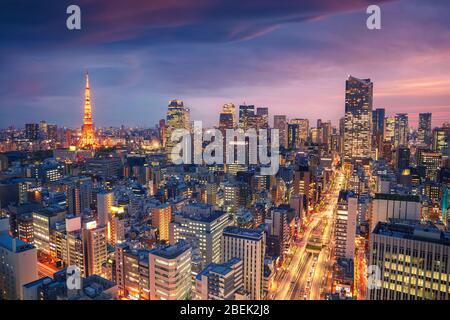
[290, 56]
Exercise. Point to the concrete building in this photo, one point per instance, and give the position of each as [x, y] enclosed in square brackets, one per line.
[161, 217]
[105, 201]
[203, 231]
[387, 206]
[170, 272]
[132, 272]
[412, 260]
[280, 123]
[220, 281]
[93, 288]
[358, 118]
[249, 246]
[43, 221]
[95, 243]
[345, 230]
[18, 266]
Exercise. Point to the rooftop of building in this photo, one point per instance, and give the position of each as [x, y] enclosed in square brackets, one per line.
[202, 217]
[413, 230]
[344, 195]
[199, 205]
[50, 211]
[94, 287]
[173, 251]
[222, 269]
[397, 197]
[252, 234]
[8, 242]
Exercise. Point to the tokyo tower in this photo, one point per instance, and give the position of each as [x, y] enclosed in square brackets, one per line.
[87, 131]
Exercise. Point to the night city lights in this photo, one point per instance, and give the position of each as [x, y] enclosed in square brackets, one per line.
[267, 155]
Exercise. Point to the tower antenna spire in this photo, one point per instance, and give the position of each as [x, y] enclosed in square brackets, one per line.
[88, 139]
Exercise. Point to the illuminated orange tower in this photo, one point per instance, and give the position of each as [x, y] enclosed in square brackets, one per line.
[87, 131]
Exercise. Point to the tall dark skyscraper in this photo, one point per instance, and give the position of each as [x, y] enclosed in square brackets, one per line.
[32, 131]
[424, 134]
[378, 121]
[293, 136]
[227, 118]
[245, 113]
[402, 159]
[280, 123]
[177, 117]
[263, 116]
[401, 130]
[358, 118]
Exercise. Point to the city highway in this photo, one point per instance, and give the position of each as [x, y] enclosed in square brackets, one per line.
[306, 273]
[325, 260]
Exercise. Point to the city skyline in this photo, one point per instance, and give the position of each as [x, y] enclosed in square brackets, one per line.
[225, 150]
[269, 59]
[216, 122]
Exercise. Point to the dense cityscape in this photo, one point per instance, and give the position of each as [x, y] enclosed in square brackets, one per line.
[357, 210]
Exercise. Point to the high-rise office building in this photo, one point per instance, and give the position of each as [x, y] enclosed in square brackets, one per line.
[204, 231]
[263, 117]
[412, 260]
[246, 113]
[220, 281]
[231, 196]
[277, 226]
[170, 272]
[177, 117]
[358, 118]
[161, 217]
[378, 121]
[249, 246]
[325, 131]
[441, 139]
[79, 195]
[18, 266]
[302, 182]
[86, 248]
[401, 130]
[345, 230]
[52, 132]
[230, 108]
[294, 141]
[280, 123]
[316, 136]
[389, 129]
[96, 248]
[424, 133]
[43, 222]
[227, 118]
[431, 161]
[303, 129]
[378, 130]
[132, 272]
[226, 122]
[402, 159]
[105, 201]
[116, 226]
[32, 131]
